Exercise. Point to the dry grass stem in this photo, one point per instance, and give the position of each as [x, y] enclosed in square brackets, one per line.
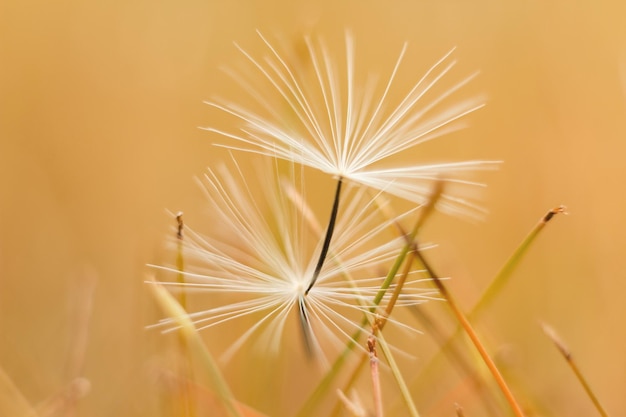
[64, 403]
[494, 289]
[466, 325]
[501, 278]
[180, 260]
[192, 339]
[81, 316]
[12, 401]
[377, 392]
[353, 405]
[188, 400]
[567, 354]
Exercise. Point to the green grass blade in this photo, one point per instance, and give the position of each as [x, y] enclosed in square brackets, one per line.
[174, 310]
[404, 389]
[503, 275]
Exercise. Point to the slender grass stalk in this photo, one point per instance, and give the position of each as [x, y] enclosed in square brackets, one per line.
[64, 402]
[454, 355]
[376, 334]
[180, 259]
[196, 346]
[466, 325]
[378, 325]
[496, 285]
[353, 405]
[567, 355]
[410, 239]
[354, 375]
[12, 401]
[377, 392]
[325, 384]
[447, 346]
[187, 403]
[404, 389]
[427, 209]
[381, 321]
[503, 275]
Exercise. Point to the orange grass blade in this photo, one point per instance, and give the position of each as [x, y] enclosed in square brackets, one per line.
[498, 282]
[465, 324]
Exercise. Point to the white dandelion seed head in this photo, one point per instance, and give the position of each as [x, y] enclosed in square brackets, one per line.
[255, 260]
[328, 117]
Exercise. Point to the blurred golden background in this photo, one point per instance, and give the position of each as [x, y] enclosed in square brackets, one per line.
[99, 108]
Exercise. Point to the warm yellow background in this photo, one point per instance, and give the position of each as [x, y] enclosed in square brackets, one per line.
[99, 103]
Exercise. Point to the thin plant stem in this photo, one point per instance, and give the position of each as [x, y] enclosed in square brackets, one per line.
[447, 347]
[378, 325]
[351, 381]
[378, 400]
[567, 355]
[188, 400]
[353, 406]
[377, 328]
[327, 238]
[447, 344]
[174, 310]
[466, 325]
[63, 403]
[453, 353]
[180, 260]
[428, 209]
[404, 389]
[499, 281]
[12, 401]
[502, 277]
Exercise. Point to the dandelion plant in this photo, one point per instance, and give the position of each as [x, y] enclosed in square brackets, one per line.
[264, 257]
[266, 249]
[340, 126]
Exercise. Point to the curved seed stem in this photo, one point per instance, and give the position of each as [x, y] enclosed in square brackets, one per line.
[327, 238]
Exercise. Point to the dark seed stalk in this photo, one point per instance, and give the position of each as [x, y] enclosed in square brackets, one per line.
[327, 238]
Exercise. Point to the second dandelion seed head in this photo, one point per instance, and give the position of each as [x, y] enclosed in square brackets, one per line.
[257, 271]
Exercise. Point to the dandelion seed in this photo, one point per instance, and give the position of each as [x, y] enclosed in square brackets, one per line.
[350, 129]
[261, 266]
